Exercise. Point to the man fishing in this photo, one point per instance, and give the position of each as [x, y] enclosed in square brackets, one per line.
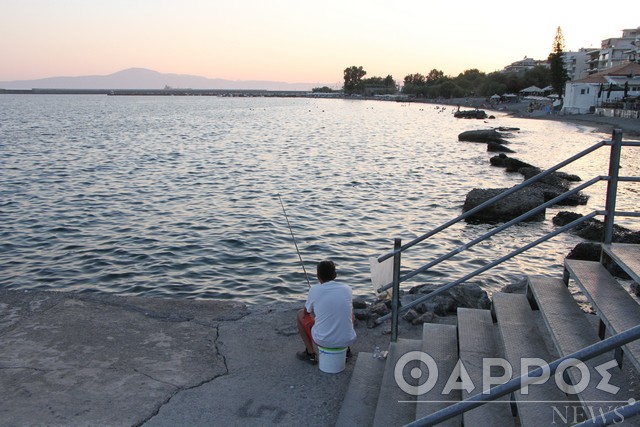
[327, 317]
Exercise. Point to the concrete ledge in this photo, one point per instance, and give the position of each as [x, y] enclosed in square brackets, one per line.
[80, 359]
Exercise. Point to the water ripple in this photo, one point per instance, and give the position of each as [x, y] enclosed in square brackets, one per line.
[179, 197]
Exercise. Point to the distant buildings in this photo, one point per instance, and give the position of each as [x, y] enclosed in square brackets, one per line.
[587, 61]
[616, 51]
[524, 65]
[604, 81]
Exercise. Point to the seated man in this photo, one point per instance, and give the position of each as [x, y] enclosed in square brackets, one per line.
[327, 319]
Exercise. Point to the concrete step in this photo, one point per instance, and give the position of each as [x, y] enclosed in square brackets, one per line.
[571, 330]
[627, 257]
[477, 339]
[522, 341]
[396, 407]
[359, 404]
[441, 343]
[617, 310]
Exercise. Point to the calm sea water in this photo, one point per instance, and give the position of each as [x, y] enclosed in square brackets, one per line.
[178, 196]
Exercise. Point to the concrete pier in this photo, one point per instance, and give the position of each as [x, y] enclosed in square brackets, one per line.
[83, 359]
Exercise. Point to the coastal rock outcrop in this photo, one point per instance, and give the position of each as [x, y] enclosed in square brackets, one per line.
[506, 209]
[547, 188]
[509, 163]
[483, 136]
[470, 114]
[469, 295]
[495, 147]
[593, 229]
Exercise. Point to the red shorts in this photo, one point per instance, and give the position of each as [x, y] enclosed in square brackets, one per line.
[307, 322]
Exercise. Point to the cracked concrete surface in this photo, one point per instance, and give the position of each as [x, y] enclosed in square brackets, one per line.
[68, 359]
[78, 359]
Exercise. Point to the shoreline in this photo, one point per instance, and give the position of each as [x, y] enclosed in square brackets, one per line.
[630, 127]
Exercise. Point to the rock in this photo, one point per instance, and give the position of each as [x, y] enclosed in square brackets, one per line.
[564, 218]
[484, 136]
[440, 305]
[470, 114]
[593, 229]
[496, 147]
[511, 164]
[518, 287]
[586, 251]
[359, 303]
[508, 208]
[411, 315]
[380, 309]
[468, 295]
[425, 318]
[361, 313]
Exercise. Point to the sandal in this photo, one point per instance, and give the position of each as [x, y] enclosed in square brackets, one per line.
[307, 357]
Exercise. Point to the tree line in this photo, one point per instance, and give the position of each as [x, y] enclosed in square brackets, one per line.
[469, 83]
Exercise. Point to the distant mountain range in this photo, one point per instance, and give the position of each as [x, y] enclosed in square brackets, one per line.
[142, 78]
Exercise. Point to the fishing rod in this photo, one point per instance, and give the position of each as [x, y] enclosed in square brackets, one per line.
[294, 241]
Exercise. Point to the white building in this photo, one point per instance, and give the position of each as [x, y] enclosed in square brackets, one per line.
[584, 95]
[577, 63]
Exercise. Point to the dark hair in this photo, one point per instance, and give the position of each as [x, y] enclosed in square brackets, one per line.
[326, 270]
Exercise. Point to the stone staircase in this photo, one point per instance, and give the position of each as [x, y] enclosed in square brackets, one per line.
[546, 323]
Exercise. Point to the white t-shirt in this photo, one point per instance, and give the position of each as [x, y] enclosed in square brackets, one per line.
[330, 302]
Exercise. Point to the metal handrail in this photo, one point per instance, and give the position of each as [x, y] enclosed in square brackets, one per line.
[494, 199]
[496, 231]
[529, 378]
[609, 213]
[492, 264]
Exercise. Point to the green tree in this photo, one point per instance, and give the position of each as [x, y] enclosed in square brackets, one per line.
[434, 77]
[559, 75]
[353, 80]
[539, 76]
[413, 84]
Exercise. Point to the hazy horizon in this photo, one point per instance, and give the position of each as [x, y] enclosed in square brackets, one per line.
[287, 41]
[143, 78]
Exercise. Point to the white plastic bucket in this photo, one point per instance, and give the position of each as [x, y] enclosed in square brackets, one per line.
[332, 360]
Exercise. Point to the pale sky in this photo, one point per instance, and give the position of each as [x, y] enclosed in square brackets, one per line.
[292, 40]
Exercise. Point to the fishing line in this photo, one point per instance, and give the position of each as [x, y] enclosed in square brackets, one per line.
[294, 241]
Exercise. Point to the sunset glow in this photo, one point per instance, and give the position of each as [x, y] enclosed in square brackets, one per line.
[285, 40]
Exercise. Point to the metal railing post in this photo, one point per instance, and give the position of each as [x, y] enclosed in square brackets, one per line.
[612, 186]
[395, 299]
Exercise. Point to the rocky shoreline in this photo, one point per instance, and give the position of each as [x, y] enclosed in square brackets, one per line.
[630, 127]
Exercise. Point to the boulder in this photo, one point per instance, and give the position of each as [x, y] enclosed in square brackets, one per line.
[506, 209]
[484, 136]
[468, 295]
[470, 114]
[496, 147]
[586, 251]
[511, 164]
[593, 229]
[517, 287]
